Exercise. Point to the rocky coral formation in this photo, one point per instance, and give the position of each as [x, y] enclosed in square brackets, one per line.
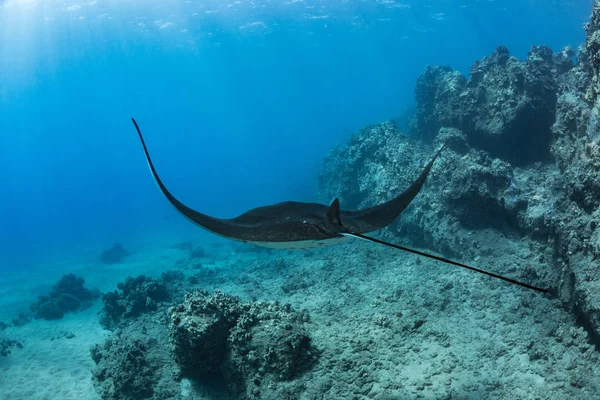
[254, 350]
[114, 255]
[506, 107]
[68, 295]
[21, 320]
[135, 364]
[253, 345]
[370, 168]
[139, 295]
[590, 53]
[523, 158]
[7, 344]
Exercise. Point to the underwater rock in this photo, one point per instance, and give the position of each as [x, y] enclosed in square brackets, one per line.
[252, 345]
[21, 320]
[590, 54]
[133, 297]
[564, 59]
[491, 176]
[48, 310]
[7, 344]
[199, 330]
[437, 88]
[136, 385]
[506, 107]
[135, 364]
[370, 168]
[197, 252]
[67, 302]
[466, 187]
[267, 345]
[114, 255]
[68, 295]
[172, 276]
[253, 350]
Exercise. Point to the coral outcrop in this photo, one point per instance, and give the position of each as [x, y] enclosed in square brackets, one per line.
[7, 344]
[68, 295]
[139, 295]
[523, 158]
[135, 364]
[114, 255]
[254, 350]
[254, 346]
[506, 107]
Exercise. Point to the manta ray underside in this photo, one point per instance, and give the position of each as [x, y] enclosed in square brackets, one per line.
[299, 225]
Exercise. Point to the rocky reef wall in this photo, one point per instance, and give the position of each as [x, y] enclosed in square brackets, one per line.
[523, 158]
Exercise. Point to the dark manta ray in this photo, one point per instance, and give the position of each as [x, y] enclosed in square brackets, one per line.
[298, 225]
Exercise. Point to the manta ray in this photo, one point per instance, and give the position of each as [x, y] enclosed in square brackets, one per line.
[302, 225]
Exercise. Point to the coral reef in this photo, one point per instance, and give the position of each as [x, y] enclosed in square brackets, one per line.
[255, 349]
[370, 168]
[140, 295]
[21, 320]
[63, 335]
[523, 159]
[114, 255]
[7, 344]
[252, 345]
[506, 107]
[67, 295]
[134, 296]
[135, 364]
[514, 194]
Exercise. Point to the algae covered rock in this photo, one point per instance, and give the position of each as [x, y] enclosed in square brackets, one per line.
[523, 158]
[135, 364]
[252, 345]
[7, 344]
[268, 345]
[47, 308]
[370, 168]
[134, 297]
[69, 294]
[199, 330]
[506, 107]
[114, 255]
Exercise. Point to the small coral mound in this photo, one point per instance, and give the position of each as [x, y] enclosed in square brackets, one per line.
[135, 364]
[253, 345]
[7, 344]
[21, 320]
[114, 255]
[68, 295]
[138, 295]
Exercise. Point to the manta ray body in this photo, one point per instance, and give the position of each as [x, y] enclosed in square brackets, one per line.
[301, 225]
[296, 225]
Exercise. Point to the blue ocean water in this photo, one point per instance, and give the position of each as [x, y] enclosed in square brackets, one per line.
[239, 101]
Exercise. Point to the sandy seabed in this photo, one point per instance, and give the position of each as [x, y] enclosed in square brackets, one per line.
[388, 325]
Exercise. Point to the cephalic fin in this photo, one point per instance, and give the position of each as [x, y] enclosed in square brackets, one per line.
[334, 213]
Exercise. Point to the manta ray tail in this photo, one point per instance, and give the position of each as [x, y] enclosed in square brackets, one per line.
[447, 261]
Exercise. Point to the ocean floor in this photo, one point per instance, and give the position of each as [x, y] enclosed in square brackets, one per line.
[387, 325]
